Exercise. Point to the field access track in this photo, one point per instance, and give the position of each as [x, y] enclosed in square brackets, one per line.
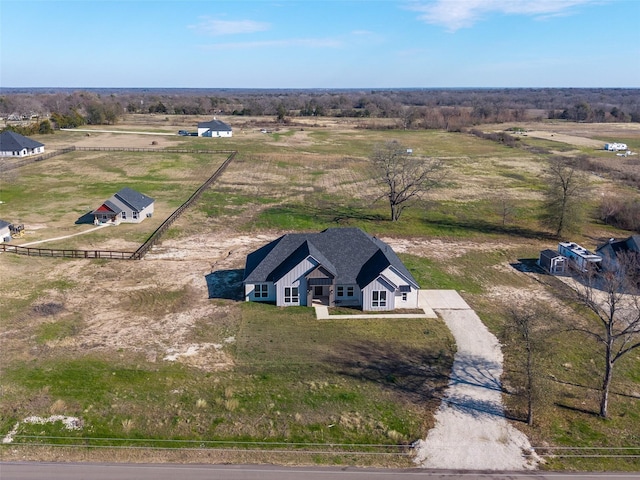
[153, 238]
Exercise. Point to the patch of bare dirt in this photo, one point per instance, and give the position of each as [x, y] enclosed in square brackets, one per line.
[436, 248]
[152, 307]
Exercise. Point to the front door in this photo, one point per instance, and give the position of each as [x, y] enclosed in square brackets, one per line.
[317, 291]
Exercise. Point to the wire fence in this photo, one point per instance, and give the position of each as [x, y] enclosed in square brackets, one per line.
[360, 449]
[212, 445]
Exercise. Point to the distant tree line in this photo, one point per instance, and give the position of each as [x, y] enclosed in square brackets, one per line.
[411, 108]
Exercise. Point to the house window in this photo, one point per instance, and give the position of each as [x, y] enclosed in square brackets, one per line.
[349, 291]
[291, 295]
[340, 291]
[135, 215]
[124, 215]
[261, 290]
[379, 298]
[404, 296]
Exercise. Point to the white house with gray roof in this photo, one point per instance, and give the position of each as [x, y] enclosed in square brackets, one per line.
[5, 231]
[13, 144]
[335, 267]
[214, 128]
[126, 206]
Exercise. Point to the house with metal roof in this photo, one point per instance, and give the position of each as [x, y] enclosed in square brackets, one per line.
[13, 144]
[126, 206]
[335, 267]
[214, 128]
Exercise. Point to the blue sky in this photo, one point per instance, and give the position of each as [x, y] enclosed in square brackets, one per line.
[320, 44]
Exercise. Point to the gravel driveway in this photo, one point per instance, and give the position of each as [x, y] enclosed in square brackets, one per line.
[471, 431]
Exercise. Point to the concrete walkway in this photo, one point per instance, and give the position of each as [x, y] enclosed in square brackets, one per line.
[322, 312]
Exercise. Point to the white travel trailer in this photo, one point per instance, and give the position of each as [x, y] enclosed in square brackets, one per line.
[615, 147]
[580, 258]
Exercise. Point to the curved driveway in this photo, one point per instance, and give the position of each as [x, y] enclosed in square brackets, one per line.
[471, 431]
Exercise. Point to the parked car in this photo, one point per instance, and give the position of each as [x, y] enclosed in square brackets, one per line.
[183, 133]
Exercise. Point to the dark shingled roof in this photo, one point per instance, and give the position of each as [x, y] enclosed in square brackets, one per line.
[14, 142]
[215, 125]
[631, 244]
[137, 201]
[351, 255]
[4, 224]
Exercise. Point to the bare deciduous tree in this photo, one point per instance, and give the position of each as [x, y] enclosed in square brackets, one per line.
[567, 187]
[614, 298]
[525, 332]
[505, 207]
[402, 176]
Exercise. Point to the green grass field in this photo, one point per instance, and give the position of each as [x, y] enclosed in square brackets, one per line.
[292, 378]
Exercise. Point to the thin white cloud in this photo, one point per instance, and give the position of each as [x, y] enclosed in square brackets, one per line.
[291, 42]
[456, 14]
[216, 27]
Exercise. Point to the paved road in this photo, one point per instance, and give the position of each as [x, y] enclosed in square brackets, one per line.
[105, 471]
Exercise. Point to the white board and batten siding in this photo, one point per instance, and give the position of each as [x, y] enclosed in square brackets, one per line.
[295, 278]
[399, 292]
[129, 215]
[399, 280]
[5, 234]
[378, 285]
[250, 293]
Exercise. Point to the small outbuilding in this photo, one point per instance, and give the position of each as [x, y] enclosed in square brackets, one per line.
[126, 206]
[553, 262]
[214, 128]
[13, 144]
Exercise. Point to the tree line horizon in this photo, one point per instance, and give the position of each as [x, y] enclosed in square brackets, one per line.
[448, 109]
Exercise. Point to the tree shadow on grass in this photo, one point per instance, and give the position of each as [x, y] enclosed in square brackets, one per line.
[577, 409]
[528, 265]
[415, 374]
[425, 377]
[225, 284]
[481, 226]
[326, 212]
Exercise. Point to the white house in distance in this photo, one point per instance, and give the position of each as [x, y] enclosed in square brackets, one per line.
[13, 144]
[214, 128]
[5, 231]
[335, 267]
[126, 206]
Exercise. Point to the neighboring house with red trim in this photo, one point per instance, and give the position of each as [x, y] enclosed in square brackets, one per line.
[338, 266]
[13, 144]
[126, 206]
